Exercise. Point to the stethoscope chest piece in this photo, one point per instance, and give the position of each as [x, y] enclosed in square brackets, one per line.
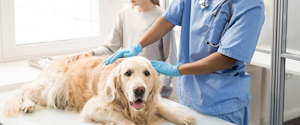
[204, 4]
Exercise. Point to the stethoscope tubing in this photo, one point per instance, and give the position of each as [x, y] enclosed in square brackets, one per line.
[215, 14]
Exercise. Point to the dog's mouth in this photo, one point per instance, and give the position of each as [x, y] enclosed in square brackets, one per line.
[138, 104]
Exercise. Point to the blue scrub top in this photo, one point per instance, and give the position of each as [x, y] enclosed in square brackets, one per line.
[227, 90]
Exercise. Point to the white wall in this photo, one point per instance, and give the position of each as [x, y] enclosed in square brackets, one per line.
[266, 35]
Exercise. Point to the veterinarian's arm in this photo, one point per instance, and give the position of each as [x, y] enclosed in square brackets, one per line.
[159, 29]
[209, 64]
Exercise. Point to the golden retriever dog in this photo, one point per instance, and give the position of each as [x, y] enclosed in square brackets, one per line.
[124, 93]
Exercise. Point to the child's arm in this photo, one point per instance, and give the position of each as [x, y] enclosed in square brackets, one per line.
[112, 41]
[159, 29]
[111, 44]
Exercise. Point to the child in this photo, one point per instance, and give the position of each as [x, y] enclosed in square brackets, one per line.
[129, 26]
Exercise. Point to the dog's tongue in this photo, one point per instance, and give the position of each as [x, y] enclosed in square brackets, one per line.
[138, 104]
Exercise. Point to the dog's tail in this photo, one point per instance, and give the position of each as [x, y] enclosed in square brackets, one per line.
[12, 106]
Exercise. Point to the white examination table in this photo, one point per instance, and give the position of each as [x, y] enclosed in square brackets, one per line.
[62, 117]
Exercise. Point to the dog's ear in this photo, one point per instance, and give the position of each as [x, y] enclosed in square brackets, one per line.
[156, 87]
[110, 87]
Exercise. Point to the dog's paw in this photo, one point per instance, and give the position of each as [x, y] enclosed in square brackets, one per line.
[110, 123]
[127, 123]
[106, 123]
[99, 123]
[29, 107]
[188, 120]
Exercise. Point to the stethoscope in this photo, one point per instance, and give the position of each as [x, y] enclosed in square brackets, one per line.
[204, 4]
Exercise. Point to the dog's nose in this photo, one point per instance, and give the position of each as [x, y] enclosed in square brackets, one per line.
[139, 90]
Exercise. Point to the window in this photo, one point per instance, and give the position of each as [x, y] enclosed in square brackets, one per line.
[54, 20]
[48, 27]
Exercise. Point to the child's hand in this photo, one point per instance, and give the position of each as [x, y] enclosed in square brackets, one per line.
[132, 50]
[74, 57]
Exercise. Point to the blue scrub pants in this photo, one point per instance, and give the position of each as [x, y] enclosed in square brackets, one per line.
[240, 117]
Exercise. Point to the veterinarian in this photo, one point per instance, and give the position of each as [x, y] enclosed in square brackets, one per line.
[129, 26]
[211, 69]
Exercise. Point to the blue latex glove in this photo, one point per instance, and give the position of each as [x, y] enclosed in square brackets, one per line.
[132, 50]
[165, 68]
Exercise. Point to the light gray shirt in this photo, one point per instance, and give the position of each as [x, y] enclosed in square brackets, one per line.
[129, 27]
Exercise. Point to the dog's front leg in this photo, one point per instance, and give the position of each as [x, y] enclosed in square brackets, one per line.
[105, 116]
[175, 116]
[117, 117]
[99, 111]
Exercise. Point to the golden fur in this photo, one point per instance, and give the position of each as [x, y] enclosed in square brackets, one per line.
[101, 93]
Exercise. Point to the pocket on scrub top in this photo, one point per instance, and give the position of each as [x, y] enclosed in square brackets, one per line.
[221, 88]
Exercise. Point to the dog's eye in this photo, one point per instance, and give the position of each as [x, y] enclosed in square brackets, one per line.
[147, 73]
[128, 73]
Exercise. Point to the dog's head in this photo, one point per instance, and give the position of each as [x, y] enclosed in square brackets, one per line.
[138, 81]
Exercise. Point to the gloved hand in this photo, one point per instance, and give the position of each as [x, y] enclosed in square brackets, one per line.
[165, 68]
[132, 50]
